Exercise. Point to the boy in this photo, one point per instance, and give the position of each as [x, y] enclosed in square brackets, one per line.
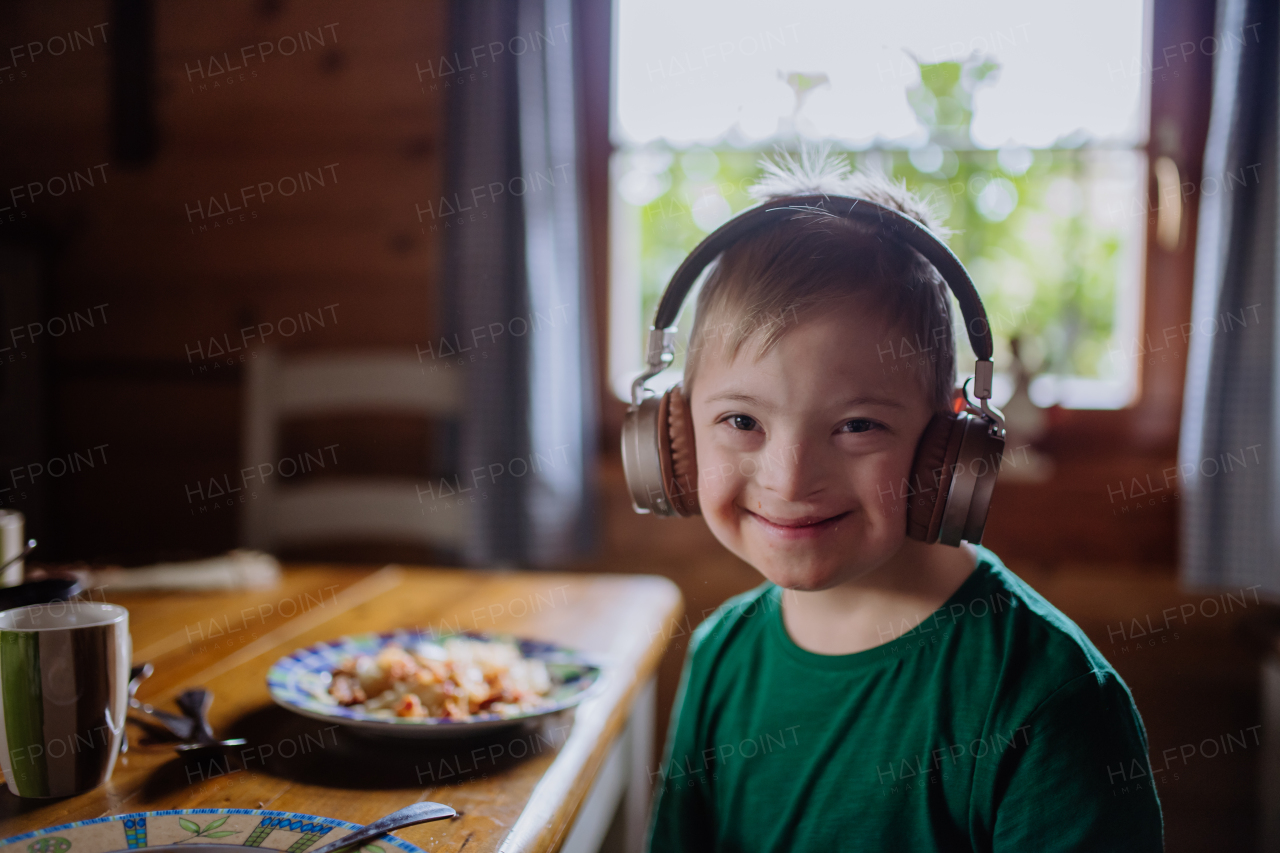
[877, 692]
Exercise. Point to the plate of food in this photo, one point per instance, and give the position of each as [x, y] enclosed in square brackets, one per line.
[415, 684]
[217, 827]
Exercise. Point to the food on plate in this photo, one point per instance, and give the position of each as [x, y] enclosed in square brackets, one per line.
[453, 679]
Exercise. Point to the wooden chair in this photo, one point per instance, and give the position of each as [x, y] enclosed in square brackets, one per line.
[346, 509]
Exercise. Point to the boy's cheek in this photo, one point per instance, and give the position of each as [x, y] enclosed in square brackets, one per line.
[886, 497]
[882, 487]
[716, 471]
[720, 512]
[718, 487]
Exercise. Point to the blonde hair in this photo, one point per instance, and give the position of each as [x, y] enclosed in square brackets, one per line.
[769, 282]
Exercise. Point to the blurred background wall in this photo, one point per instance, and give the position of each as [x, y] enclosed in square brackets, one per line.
[177, 273]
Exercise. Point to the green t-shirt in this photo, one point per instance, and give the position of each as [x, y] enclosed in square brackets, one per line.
[993, 725]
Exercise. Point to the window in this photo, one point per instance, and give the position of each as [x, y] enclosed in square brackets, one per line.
[1023, 124]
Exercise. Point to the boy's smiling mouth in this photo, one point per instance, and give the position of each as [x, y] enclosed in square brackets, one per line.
[800, 527]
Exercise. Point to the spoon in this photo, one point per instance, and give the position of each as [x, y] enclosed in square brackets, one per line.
[26, 552]
[180, 726]
[195, 704]
[407, 816]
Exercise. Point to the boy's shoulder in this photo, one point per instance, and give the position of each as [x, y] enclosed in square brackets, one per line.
[1013, 652]
[1025, 623]
[742, 614]
[1011, 639]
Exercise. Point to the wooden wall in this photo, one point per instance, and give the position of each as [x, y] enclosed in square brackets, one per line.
[346, 106]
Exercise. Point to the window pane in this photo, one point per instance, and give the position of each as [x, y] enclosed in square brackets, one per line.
[716, 70]
[1050, 238]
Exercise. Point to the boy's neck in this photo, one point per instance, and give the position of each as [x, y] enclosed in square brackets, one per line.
[880, 606]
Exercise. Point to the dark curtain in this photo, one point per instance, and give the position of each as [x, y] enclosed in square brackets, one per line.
[1227, 456]
[515, 288]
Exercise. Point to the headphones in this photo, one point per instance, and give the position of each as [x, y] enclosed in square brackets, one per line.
[958, 458]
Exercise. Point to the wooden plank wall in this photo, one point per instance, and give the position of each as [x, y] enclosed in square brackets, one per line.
[359, 111]
[347, 107]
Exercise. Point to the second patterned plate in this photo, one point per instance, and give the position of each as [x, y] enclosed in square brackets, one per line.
[243, 829]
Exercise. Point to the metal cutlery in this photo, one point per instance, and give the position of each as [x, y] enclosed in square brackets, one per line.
[180, 726]
[192, 726]
[26, 552]
[408, 816]
[195, 704]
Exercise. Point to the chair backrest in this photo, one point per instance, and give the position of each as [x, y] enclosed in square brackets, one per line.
[278, 386]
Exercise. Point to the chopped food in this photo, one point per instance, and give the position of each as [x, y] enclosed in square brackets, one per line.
[454, 679]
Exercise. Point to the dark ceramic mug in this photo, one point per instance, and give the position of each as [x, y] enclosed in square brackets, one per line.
[64, 673]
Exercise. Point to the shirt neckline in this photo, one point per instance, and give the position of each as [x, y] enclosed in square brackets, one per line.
[884, 654]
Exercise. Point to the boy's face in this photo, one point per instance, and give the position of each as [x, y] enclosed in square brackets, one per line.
[802, 451]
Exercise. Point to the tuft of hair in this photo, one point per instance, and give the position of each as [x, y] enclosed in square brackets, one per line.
[768, 282]
[819, 171]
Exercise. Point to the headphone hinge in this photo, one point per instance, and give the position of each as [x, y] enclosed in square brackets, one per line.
[661, 349]
[983, 372]
[993, 416]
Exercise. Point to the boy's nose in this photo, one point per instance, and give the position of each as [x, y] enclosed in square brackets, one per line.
[790, 470]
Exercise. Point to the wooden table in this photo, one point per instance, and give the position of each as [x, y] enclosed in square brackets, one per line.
[558, 794]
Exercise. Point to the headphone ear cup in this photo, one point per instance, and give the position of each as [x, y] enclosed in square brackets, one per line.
[677, 453]
[975, 471]
[931, 474]
[988, 452]
[643, 431]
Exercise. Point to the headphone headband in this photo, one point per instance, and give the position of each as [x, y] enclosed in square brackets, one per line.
[893, 222]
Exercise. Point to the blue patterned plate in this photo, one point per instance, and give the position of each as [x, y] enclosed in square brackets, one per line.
[249, 828]
[300, 682]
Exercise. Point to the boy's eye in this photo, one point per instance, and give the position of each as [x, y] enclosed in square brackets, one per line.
[746, 423]
[858, 425]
